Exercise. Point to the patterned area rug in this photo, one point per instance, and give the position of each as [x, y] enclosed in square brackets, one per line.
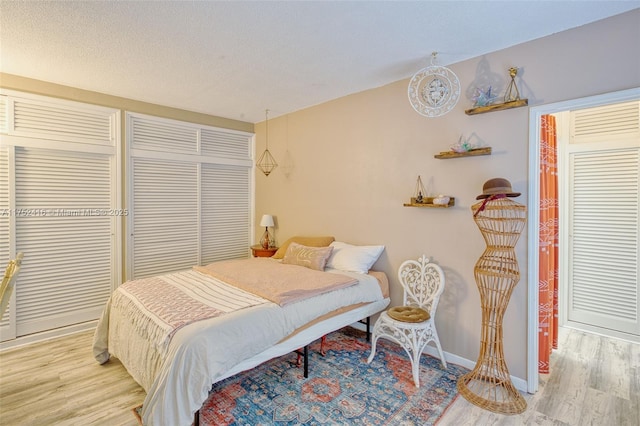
[342, 389]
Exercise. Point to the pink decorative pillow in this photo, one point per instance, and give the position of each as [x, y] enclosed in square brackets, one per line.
[309, 257]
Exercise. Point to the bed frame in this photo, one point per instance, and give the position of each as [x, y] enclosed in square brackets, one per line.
[304, 352]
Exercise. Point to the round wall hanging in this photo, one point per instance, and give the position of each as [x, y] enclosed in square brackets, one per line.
[434, 90]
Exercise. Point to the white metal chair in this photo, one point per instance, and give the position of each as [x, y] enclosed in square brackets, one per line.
[8, 282]
[412, 325]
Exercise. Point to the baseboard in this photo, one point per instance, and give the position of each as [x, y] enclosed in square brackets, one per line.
[519, 383]
[47, 335]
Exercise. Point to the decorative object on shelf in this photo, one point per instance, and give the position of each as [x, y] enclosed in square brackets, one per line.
[501, 221]
[419, 191]
[266, 162]
[463, 145]
[421, 200]
[441, 200]
[428, 202]
[511, 98]
[483, 97]
[471, 153]
[497, 107]
[434, 90]
[267, 240]
[512, 93]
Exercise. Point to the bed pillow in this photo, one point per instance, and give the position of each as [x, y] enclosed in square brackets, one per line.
[347, 257]
[309, 257]
[305, 241]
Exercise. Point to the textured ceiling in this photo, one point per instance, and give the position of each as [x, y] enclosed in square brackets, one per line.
[235, 59]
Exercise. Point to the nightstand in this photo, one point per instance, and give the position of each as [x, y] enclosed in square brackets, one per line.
[259, 251]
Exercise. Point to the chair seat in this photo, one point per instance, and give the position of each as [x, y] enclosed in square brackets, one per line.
[408, 314]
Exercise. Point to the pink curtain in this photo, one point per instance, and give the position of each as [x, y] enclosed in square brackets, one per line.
[548, 245]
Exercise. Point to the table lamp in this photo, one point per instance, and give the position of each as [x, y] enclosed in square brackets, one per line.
[267, 239]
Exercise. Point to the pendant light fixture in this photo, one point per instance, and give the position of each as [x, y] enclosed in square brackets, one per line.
[266, 162]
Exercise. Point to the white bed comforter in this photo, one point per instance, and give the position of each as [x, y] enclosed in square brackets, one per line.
[178, 380]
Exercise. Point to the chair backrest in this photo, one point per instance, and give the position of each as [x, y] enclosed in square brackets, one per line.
[8, 282]
[423, 283]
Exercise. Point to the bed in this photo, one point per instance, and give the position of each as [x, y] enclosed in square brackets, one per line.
[233, 318]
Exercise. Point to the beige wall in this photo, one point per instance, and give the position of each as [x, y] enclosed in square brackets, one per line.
[357, 159]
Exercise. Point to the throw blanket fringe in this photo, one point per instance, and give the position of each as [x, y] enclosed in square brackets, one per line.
[146, 326]
[158, 307]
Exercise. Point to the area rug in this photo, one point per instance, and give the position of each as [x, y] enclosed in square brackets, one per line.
[342, 389]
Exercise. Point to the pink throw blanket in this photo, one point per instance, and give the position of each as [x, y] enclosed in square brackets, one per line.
[160, 306]
[274, 281]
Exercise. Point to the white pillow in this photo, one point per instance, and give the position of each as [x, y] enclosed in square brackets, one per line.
[347, 257]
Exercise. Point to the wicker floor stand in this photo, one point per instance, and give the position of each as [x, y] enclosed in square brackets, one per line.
[496, 273]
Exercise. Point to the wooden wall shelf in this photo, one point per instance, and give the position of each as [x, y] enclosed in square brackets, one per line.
[497, 107]
[472, 153]
[429, 203]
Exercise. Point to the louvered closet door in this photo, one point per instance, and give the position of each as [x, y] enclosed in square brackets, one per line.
[59, 202]
[225, 212]
[190, 195]
[604, 208]
[4, 228]
[165, 216]
[4, 205]
[67, 240]
[604, 240]
[226, 202]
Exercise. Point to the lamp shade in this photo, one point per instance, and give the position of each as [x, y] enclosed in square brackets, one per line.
[267, 220]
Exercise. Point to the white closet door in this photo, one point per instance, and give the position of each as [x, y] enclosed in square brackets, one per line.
[5, 211]
[164, 216]
[603, 275]
[603, 215]
[190, 188]
[225, 212]
[7, 325]
[67, 236]
[226, 203]
[59, 182]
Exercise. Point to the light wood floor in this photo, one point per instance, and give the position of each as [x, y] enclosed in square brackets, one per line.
[594, 381]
